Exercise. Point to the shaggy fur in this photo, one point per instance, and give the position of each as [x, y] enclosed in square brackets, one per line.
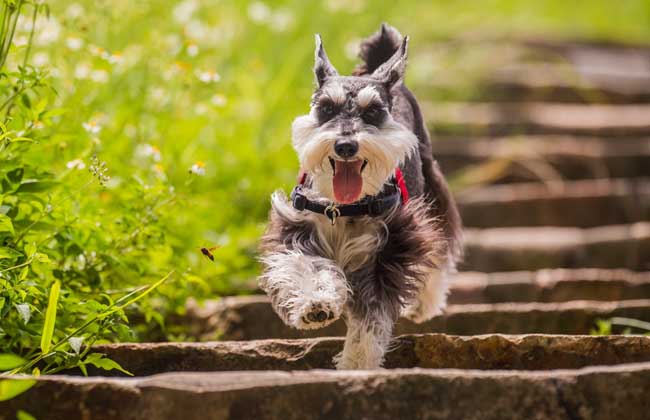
[366, 270]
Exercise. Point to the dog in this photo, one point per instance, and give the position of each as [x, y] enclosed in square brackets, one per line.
[371, 231]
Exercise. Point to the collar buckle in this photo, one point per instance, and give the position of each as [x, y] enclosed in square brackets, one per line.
[332, 212]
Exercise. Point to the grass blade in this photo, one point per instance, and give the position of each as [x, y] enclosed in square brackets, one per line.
[50, 318]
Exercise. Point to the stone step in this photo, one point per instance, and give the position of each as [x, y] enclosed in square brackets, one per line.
[534, 248]
[537, 118]
[534, 158]
[553, 285]
[438, 351]
[558, 83]
[594, 393]
[252, 318]
[509, 70]
[585, 203]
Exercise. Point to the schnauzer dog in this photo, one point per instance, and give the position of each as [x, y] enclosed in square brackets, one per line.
[370, 231]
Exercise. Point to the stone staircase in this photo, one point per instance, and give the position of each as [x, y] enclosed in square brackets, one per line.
[556, 202]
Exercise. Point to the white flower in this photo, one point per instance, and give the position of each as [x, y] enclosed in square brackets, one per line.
[148, 151]
[281, 20]
[201, 109]
[352, 48]
[173, 43]
[99, 76]
[259, 12]
[48, 30]
[92, 127]
[218, 100]
[75, 343]
[198, 168]
[192, 50]
[158, 95]
[159, 171]
[40, 59]
[97, 51]
[82, 71]
[114, 58]
[184, 10]
[208, 76]
[24, 311]
[20, 40]
[76, 164]
[73, 43]
[75, 10]
[350, 6]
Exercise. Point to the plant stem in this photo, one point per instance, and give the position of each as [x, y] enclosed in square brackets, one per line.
[28, 262]
[31, 35]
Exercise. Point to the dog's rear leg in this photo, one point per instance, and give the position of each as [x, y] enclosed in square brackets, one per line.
[430, 299]
[366, 341]
[307, 292]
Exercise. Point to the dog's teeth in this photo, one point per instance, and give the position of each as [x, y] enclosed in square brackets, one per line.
[365, 162]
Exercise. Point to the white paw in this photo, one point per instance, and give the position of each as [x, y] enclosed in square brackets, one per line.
[311, 315]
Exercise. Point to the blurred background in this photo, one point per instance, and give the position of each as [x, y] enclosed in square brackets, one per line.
[188, 105]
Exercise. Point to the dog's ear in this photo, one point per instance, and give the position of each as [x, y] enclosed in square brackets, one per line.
[392, 71]
[322, 66]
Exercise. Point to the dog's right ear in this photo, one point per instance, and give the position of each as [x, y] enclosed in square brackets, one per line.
[322, 66]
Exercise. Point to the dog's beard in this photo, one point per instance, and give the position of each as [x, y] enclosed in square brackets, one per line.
[380, 149]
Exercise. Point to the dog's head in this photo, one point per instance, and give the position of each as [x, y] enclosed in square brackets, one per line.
[349, 143]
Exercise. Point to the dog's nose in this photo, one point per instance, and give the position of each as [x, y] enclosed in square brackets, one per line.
[346, 148]
[319, 316]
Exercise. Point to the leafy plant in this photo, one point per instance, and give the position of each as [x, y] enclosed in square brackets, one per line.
[62, 265]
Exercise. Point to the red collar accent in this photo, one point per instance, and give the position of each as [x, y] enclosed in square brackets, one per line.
[399, 177]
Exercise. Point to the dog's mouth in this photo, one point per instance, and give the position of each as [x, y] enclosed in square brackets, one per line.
[347, 181]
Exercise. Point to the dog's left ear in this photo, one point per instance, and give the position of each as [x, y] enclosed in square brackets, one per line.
[392, 71]
[322, 66]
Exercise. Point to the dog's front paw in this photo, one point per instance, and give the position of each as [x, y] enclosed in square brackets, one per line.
[314, 314]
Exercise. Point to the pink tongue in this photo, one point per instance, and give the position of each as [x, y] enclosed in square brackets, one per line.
[347, 181]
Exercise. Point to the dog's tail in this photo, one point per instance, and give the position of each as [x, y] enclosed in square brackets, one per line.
[377, 49]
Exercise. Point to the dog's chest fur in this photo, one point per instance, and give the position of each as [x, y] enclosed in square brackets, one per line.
[351, 243]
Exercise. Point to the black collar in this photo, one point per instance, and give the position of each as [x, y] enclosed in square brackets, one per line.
[372, 206]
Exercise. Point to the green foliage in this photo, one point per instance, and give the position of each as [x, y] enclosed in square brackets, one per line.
[10, 388]
[66, 255]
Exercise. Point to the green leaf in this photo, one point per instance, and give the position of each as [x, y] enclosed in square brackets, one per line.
[16, 175]
[98, 360]
[26, 101]
[24, 415]
[6, 225]
[6, 252]
[10, 361]
[10, 388]
[50, 317]
[35, 186]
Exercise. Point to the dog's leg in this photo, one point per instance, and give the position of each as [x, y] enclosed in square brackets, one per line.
[431, 298]
[366, 341]
[307, 292]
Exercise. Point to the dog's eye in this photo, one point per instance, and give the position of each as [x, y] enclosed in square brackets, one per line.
[327, 111]
[374, 114]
